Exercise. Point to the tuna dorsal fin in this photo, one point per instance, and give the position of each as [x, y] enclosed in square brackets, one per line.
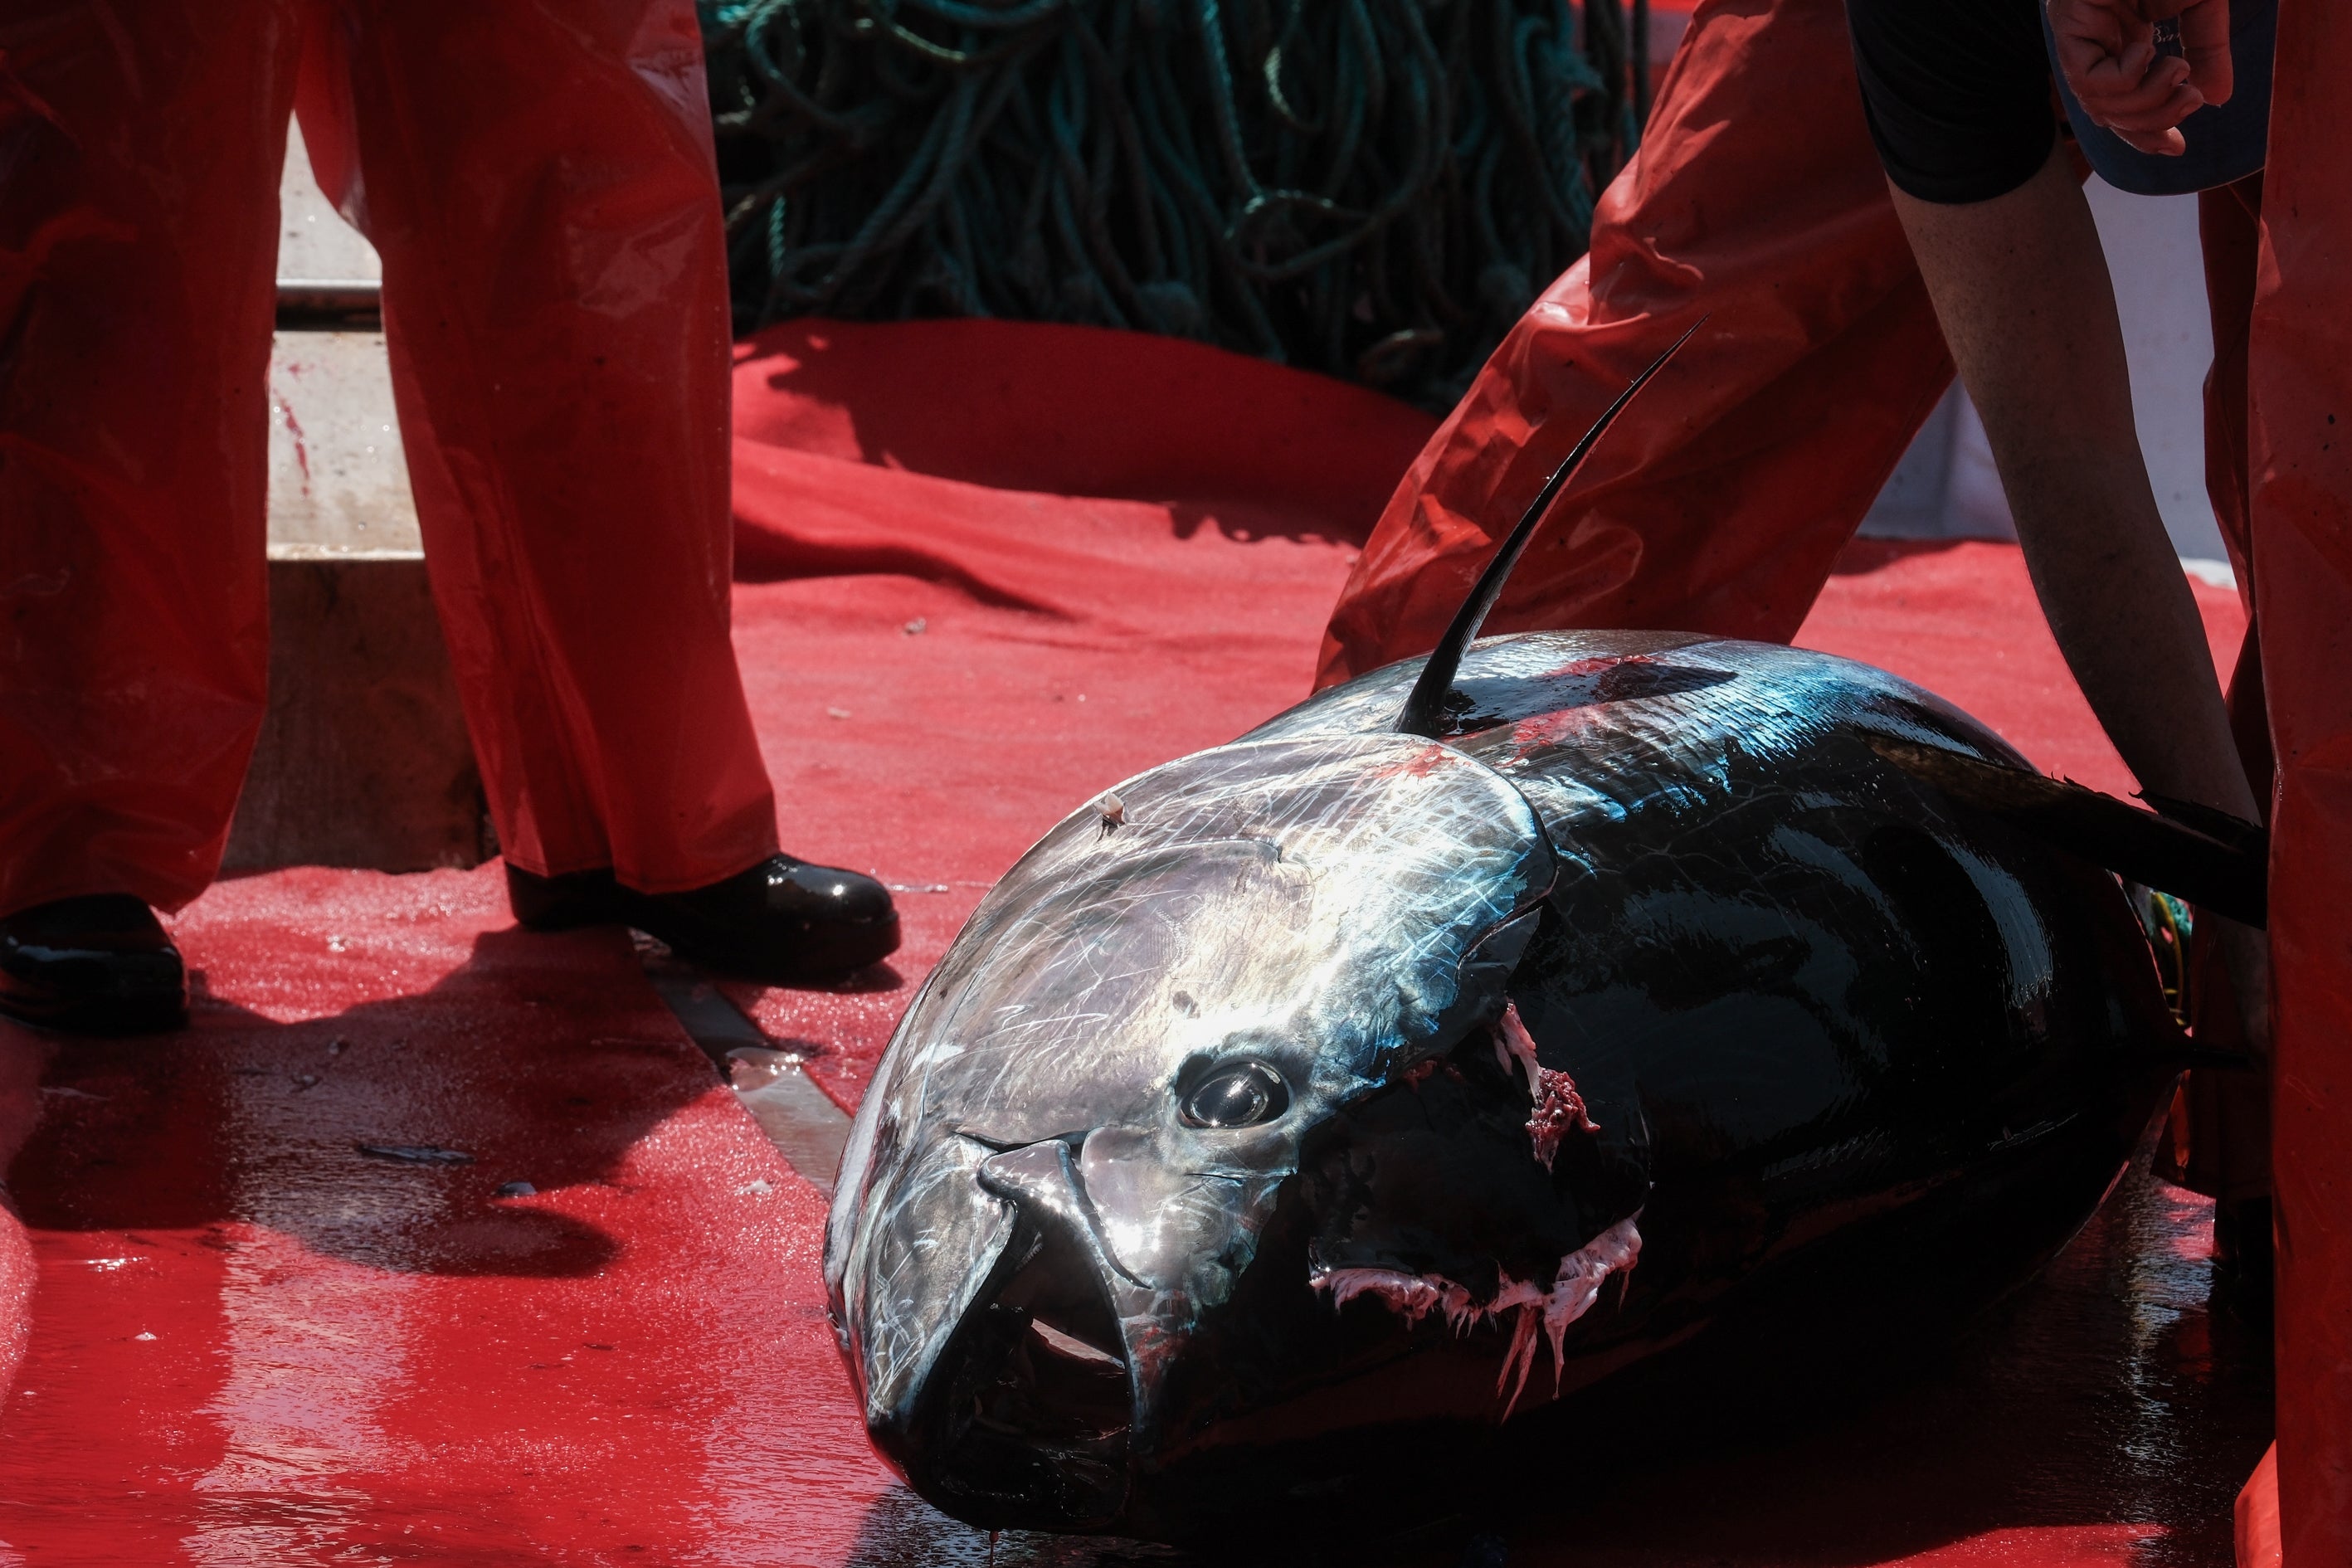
[2223, 868]
[1425, 709]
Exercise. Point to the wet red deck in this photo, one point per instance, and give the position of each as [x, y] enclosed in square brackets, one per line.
[243, 1341]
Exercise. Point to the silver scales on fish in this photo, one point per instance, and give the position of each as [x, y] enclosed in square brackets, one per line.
[1562, 1030]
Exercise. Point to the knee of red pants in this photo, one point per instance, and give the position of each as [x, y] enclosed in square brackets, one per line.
[1720, 509]
[1719, 502]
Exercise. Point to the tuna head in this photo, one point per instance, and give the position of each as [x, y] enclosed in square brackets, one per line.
[1066, 1164]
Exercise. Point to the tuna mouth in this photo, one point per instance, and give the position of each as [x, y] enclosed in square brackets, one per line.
[1033, 1420]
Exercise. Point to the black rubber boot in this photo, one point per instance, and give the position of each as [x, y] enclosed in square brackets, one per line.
[782, 921]
[564, 903]
[95, 965]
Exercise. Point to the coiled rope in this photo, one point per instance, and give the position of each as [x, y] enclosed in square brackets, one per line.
[1371, 188]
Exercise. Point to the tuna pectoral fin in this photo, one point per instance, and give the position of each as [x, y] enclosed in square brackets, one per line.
[2224, 869]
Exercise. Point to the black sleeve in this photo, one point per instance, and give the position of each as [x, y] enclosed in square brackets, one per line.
[1957, 93]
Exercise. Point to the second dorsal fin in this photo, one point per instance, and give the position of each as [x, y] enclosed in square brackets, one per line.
[1425, 709]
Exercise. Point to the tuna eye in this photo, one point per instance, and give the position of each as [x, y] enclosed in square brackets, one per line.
[1241, 1095]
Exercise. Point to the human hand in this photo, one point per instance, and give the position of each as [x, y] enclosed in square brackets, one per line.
[2108, 50]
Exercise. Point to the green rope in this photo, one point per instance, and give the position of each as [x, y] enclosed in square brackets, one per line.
[1371, 188]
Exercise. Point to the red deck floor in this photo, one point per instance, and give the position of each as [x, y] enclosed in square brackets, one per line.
[237, 1340]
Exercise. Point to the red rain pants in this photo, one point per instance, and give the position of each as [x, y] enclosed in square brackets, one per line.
[1721, 504]
[539, 179]
[2300, 481]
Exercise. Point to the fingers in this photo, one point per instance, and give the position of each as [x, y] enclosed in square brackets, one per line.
[2159, 103]
[2107, 51]
[2089, 32]
[2205, 41]
[2160, 100]
[2164, 143]
[2158, 132]
[2112, 96]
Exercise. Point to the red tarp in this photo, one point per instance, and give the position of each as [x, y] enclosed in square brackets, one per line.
[988, 570]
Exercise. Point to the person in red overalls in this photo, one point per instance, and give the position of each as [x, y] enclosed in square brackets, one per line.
[540, 181]
[1720, 505]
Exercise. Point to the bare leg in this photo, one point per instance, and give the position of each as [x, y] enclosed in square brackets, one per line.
[2021, 288]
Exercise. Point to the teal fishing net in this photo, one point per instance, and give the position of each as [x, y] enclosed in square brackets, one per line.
[1371, 188]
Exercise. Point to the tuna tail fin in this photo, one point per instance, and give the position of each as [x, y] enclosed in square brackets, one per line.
[2193, 852]
[1425, 709]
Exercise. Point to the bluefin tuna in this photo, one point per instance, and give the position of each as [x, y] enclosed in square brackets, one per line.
[1461, 1045]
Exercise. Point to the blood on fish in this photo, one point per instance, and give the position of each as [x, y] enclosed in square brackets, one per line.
[1522, 1355]
[1419, 765]
[1557, 1105]
[1412, 1296]
[1557, 1108]
[1577, 667]
[1576, 711]
[1575, 1286]
[1556, 728]
[1420, 1072]
[1528, 1301]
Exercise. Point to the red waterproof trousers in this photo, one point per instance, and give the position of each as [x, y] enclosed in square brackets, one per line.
[539, 178]
[2299, 379]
